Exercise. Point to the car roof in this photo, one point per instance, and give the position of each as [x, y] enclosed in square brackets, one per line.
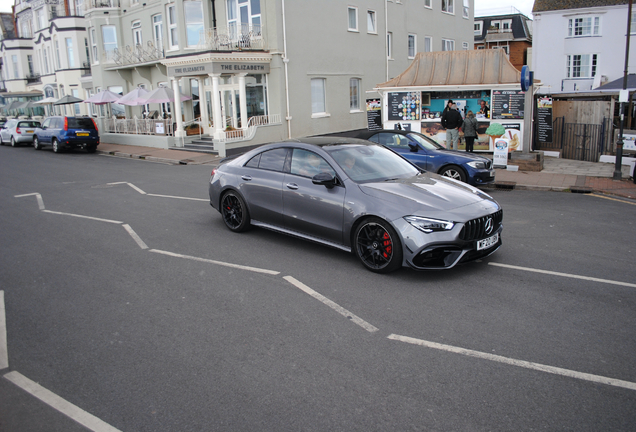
[329, 140]
[370, 133]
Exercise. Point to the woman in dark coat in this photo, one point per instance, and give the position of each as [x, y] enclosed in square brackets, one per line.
[470, 130]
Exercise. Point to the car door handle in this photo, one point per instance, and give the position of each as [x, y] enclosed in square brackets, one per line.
[292, 186]
[246, 177]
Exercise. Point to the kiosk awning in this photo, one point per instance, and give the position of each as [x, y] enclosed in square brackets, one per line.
[453, 68]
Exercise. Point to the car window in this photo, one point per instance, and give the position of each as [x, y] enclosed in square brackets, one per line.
[9, 124]
[425, 142]
[273, 160]
[28, 124]
[308, 164]
[371, 163]
[253, 163]
[80, 123]
[393, 140]
[46, 123]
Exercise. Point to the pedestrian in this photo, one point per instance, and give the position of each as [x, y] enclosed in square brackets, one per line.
[470, 130]
[452, 121]
[448, 106]
[484, 110]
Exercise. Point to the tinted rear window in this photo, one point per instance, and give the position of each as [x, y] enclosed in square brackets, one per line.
[80, 123]
[28, 124]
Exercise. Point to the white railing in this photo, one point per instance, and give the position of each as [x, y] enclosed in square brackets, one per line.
[243, 36]
[252, 124]
[137, 126]
[135, 54]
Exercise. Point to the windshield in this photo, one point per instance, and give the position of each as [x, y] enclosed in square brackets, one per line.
[425, 142]
[371, 163]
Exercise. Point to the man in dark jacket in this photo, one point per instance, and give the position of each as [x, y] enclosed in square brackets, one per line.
[452, 121]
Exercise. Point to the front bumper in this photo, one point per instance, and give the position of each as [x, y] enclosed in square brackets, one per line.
[482, 177]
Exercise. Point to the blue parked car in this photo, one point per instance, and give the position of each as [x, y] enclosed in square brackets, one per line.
[64, 132]
[427, 154]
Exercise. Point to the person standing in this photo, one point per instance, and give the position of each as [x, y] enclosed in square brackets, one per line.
[470, 130]
[452, 121]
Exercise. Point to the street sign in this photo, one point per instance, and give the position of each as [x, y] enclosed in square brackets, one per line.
[526, 80]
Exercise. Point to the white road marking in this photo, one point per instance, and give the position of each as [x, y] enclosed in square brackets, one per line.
[342, 311]
[4, 353]
[221, 263]
[37, 196]
[129, 184]
[178, 197]
[74, 412]
[135, 237]
[84, 217]
[520, 363]
[573, 276]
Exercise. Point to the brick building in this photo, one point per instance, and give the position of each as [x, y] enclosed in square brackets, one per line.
[512, 33]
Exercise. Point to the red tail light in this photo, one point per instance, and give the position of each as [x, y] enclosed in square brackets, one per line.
[65, 123]
[18, 131]
[94, 124]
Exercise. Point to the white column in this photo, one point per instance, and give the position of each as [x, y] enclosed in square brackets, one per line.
[203, 106]
[243, 100]
[219, 125]
[179, 132]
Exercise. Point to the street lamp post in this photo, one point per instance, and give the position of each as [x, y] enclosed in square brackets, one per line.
[619, 144]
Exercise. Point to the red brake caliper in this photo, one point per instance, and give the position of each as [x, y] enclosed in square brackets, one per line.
[387, 245]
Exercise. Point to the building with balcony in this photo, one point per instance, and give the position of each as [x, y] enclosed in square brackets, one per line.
[579, 46]
[510, 32]
[256, 70]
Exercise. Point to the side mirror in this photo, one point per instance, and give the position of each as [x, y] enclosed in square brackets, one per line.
[414, 147]
[324, 179]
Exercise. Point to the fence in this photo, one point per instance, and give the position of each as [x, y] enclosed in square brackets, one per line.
[140, 126]
[579, 141]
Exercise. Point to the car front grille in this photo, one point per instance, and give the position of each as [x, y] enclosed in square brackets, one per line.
[476, 229]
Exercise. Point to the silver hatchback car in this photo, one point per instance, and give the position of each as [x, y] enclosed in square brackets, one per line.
[16, 131]
[360, 197]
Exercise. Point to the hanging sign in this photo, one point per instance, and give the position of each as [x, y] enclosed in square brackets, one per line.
[374, 114]
[507, 104]
[544, 119]
[404, 106]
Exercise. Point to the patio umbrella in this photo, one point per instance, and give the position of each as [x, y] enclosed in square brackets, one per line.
[47, 101]
[68, 99]
[133, 98]
[103, 97]
[161, 95]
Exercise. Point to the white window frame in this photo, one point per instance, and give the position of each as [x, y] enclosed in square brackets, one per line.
[466, 9]
[428, 4]
[448, 45]
[136, 33]
[57, 54]
[68, 42]
[448, 6]
[354, 94]
[594, 26]
[411, 48]
[478, 27]
[40, 18]
[506, 24]
[173, 31]
[30, 64]
[157, 31]
[93, 35]
[428, 44]
[110, 49]
[372, 22]
[632, 29]
[46, 59]
[389, 45]
[352, 13]
[16, 69]
[587, 61]
[318, 97]
[195, 22]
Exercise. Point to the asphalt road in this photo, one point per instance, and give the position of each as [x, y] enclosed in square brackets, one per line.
[129, 306]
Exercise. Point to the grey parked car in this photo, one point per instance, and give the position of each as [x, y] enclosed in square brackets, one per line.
[17, 131]
[360, 197]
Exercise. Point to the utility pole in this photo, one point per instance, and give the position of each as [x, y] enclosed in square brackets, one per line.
[618, 173]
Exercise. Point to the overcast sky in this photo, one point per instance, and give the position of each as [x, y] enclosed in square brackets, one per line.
[482, 7]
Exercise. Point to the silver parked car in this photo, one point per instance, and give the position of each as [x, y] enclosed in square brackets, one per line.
[360, 197]
[16, 131]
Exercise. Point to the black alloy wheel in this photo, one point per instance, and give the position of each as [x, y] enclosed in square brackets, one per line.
[234, 211]
[454, 172]
[378, 246]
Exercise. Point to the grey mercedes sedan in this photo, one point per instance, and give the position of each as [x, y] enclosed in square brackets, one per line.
[360, 197]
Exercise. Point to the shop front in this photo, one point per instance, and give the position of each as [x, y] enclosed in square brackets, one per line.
[483, 82]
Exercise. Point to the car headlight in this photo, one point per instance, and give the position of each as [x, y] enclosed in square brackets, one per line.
[477, 164]
[429, 225]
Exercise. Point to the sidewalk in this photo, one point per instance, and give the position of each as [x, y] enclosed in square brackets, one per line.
[557, 175]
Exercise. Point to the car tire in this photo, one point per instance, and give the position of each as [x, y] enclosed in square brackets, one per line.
[1, 142]
[13, 143]
[378, 246]
[234, 212]
[57, 148]
[91, 148]
[454, 172]
[36, 143]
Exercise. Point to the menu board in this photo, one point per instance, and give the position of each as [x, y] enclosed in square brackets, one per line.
[544, 119]
[507, 104]
[404, 106]
[374, 114]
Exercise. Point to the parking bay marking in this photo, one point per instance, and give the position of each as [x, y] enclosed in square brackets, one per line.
[342, 311]
[514, 362]
[573, 276]
[48, 397]
[157, 195]
[4, 353]
[221, 263]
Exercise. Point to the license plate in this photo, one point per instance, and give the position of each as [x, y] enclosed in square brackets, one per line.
[81, 134]
[29, 131]
[488, 242]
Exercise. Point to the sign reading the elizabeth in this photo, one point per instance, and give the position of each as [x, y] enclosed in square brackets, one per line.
[508, 104]
[404, 106]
